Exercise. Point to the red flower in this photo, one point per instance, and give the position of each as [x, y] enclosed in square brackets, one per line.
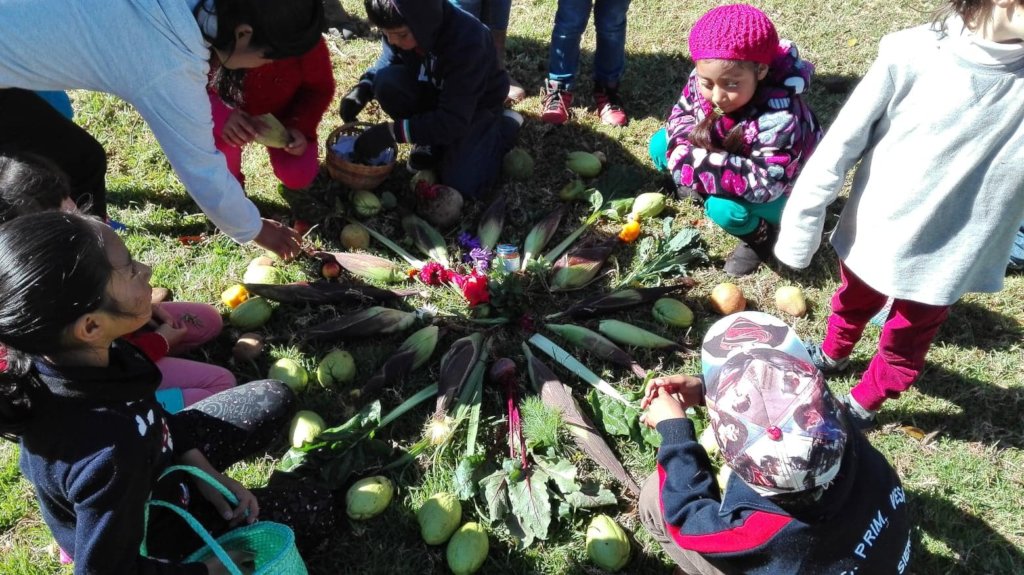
[433, 274]
[474, 289]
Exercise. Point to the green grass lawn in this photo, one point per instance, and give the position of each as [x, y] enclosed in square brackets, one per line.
[964, 478]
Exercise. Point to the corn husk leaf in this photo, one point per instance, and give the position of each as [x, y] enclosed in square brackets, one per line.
[365, 323]
[618, 300]
[579, 267]
[491, 223]
[427, 239]
[412, 260]
[456, 366]
[586, 436]
[323, 293]
[368, 266]
[596, 201]
[541, 234]
[597, 345]
[572, 364]
[391, 374]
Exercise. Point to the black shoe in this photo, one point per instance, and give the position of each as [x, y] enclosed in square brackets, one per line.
[742, 261]
[421, 158]
[859, 421]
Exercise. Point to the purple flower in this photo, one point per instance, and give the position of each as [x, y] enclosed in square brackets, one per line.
[468, 241]
[480, 258]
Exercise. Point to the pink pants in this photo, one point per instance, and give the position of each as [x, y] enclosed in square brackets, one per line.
[195, 379]
[295, 172]
[906, 337]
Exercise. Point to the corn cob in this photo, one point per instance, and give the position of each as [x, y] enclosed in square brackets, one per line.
[423, 342]
[648, 205]
[596, 344]
[426, 238]
[272, 132]
[578, 268]
[370, 267]
[456, 366]
[628, 334]
[491, 223]
[618, 300]
[541, 234]
[368, 322]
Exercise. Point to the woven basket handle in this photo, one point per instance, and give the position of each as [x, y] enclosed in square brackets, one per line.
[196, 526]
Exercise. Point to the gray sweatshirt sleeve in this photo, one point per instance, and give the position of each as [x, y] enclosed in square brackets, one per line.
[177, 109]
[821, 181]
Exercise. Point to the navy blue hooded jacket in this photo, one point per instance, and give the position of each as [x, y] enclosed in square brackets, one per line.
[456, 55]
[859, 525]
[97, 442]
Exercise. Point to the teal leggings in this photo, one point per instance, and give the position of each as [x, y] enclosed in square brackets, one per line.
[736, 216]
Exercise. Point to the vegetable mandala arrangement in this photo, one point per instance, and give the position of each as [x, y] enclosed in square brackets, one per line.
[519, 486]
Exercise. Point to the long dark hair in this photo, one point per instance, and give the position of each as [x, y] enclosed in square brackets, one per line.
[703, 134]
[30, 183]
[968, 10]
[384, 14]
[285, 28]
[53, 269]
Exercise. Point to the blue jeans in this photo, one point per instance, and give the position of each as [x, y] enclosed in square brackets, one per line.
[1017, 253]
[470, 164]
[493, 13]
[570, 23]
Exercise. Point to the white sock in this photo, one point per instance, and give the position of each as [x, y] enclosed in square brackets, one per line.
[862, 411]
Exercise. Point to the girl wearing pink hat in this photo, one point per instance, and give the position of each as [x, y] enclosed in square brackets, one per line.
[740, 131]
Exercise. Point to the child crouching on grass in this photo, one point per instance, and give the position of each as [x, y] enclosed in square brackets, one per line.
[31, 184]
[438, 79]
[740, 132]
[94, 441]
[807, 493]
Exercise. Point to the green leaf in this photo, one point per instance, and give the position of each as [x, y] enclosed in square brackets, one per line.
[291, 460]
[346, 435]
[465, 476]
[560, 471]
[531, 503]
[590, 496]
[495, 490]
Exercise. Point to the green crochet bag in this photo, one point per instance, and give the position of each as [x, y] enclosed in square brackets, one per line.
[271, 544]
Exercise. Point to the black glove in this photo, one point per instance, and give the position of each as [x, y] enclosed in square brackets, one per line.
[355, 101]
[373, 141]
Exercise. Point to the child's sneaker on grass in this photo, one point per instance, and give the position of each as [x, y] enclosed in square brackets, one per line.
[823, 362]
[557, 103]
[421, 158]
[863, 419]
[609, 106]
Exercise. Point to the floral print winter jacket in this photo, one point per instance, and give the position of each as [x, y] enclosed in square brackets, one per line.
[780, 132]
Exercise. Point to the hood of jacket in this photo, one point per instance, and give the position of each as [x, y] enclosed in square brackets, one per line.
[424, 19]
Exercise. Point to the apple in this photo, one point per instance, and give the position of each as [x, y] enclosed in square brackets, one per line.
[330, 270]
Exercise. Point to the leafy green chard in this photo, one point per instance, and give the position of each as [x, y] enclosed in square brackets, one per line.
[673, 255]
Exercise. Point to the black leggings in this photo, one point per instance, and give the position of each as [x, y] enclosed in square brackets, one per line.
[29, 124]
[228, 427]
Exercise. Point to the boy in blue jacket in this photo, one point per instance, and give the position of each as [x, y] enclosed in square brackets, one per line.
[807, 493]
[438, 78]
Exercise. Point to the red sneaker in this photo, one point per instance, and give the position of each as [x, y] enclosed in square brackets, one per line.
[609, 106]
[557, 104]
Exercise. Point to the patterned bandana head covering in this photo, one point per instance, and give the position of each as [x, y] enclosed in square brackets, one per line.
[779, 428]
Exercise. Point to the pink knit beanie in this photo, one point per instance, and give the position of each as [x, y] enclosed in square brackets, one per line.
[734, 32]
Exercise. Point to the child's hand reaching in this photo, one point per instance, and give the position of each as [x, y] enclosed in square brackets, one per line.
[297, 145]
[664, 405]
[689, 390]
[171, 330]
[240, 129]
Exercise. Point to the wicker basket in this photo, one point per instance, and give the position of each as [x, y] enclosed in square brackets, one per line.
[353, 175]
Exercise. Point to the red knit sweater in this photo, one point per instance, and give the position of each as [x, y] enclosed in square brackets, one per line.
[295, 90]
